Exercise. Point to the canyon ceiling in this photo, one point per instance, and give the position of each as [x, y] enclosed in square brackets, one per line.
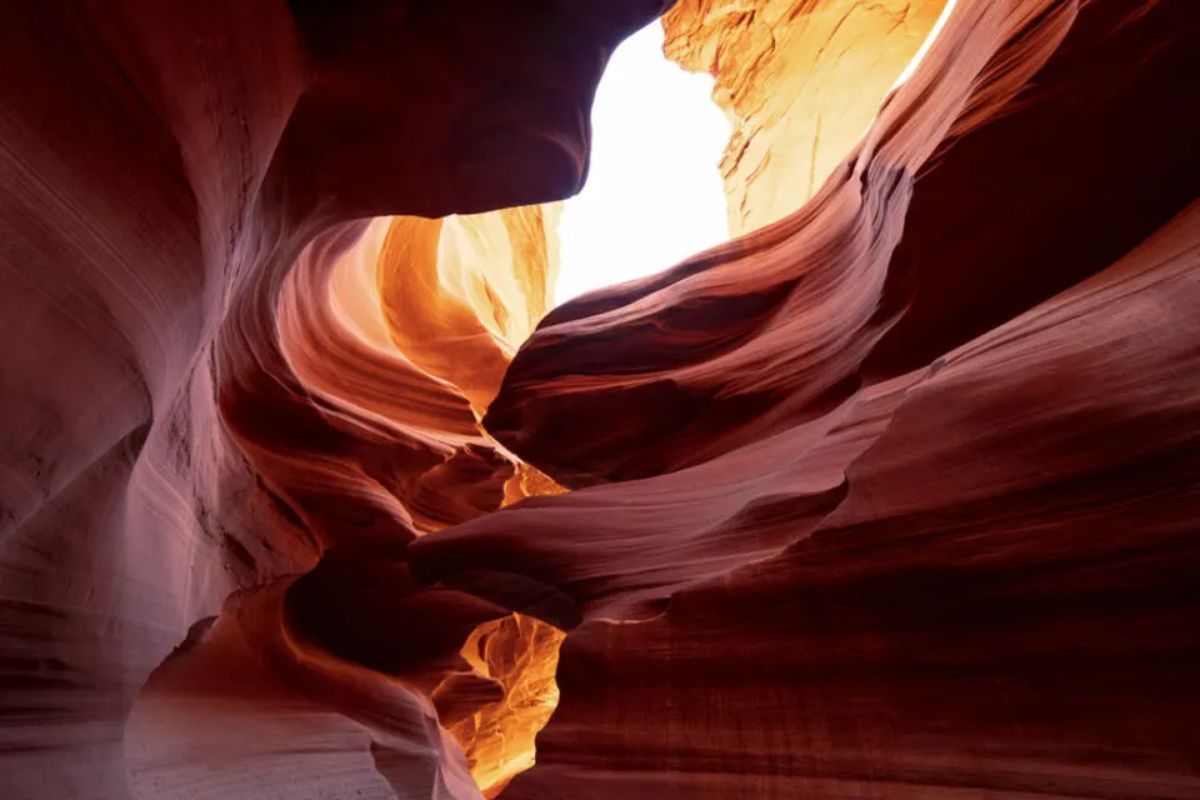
[306, 490]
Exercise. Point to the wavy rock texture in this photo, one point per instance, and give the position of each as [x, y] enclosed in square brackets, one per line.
[1018, 622]
[912, 471]
[893, 497]
[519, 653]
[199, 410]
[800, 81]
[460, 295]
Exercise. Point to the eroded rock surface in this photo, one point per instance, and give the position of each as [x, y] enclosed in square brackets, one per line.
[894, 496]
[944, 416]
[800, 80]
[196, 415]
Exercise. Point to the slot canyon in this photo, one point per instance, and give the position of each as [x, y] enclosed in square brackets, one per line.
[309, 490]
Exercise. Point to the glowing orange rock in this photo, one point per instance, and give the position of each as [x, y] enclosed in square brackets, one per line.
[898, 493]
[800, 80]
[195, 406]
[979, 336]
[460, 294]
[518, 655]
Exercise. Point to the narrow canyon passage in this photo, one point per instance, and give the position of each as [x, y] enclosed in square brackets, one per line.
[718, 399]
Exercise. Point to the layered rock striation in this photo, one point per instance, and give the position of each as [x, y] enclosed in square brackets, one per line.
[215, 450]
[895, 496]
[891, 496]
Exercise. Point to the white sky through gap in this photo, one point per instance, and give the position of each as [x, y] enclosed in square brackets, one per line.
[654, 194]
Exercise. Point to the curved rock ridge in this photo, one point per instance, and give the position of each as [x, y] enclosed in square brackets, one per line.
[894, 497]
[244, 710]
[1018, 621]
[203, 422]
[460, 294]
[899, 258]
[438, 304]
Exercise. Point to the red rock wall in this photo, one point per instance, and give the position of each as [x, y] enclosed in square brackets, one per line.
[912, 472]
[892, 498]
[187, 430]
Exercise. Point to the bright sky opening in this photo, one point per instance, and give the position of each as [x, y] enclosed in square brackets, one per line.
[654, 194]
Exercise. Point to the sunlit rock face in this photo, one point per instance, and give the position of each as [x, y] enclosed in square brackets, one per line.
[460, 295]
[209, 427]
[801, 81]
[892, 497]
[513, 661]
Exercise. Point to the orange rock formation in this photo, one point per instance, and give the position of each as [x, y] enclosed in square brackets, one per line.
[461, 294]
[520, 654]
[892, 496]
[800, 80]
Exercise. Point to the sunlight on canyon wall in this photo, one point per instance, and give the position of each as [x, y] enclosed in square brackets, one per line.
[801, 80]
[519, 653]
[461, 294]
[293, 504]
[452, 298]
[456, 297]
